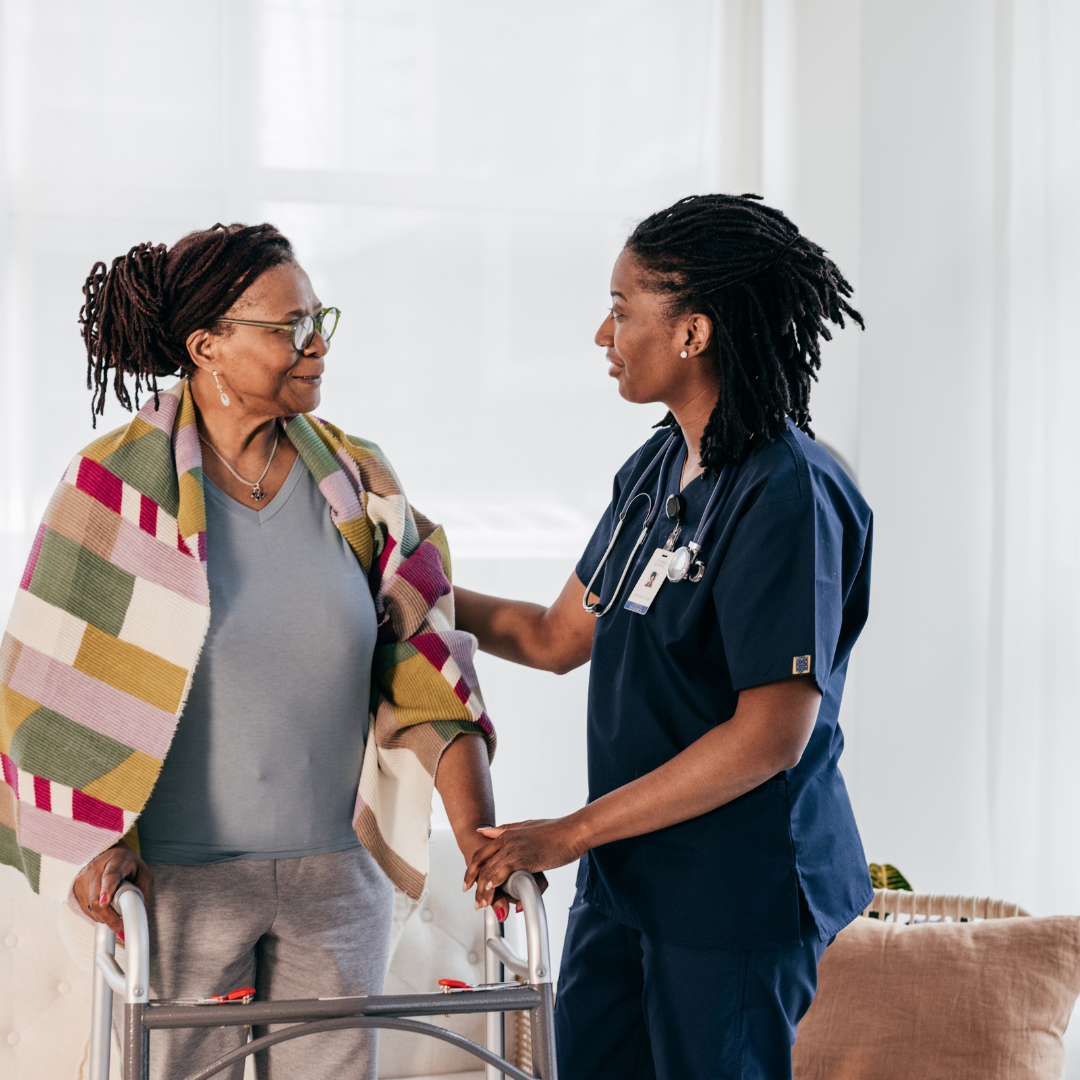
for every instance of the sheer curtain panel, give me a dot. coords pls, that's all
(1035, 646)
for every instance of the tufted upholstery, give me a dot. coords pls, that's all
(45, 994)
(442, 937)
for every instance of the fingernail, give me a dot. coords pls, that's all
(120, 934)
(476, 905)
(464, 886)
(518, 908)
(104, 899)
(489, 886)
(500, 914)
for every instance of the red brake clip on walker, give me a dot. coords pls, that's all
(245, 994)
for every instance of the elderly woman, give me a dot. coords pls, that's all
(231, 673)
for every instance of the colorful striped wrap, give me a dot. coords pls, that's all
(110, 618)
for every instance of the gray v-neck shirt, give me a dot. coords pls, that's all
(265, 763)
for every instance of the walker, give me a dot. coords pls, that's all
(142, 1015)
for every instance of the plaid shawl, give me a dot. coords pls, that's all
(111, 615)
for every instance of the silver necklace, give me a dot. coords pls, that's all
(257, 492)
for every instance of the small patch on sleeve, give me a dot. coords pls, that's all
(800, 665)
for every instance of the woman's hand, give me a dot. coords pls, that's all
(524, 845)
(99, 879)
(470, 848)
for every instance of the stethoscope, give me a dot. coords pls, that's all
(684, 563)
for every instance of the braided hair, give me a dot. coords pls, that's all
(769, 292)
(139, 313)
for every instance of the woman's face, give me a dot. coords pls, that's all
(259, 368)
(643, 342)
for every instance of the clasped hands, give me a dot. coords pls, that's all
(536, 846)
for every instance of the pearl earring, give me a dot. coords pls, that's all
(225, 397)
(684, 354)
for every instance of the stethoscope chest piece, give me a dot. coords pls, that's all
(684, 563)
(679, 563)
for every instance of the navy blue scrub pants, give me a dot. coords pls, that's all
(633, 1007)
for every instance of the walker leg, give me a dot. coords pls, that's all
(101, 1007)
(136, 1044)
(493, 973)
(542, 1020)
(129, 901)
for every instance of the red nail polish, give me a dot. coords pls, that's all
(500, 913)
(120, 934)
(103, 901)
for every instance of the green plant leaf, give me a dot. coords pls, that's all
(888, 877)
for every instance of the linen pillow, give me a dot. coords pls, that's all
(943, 1000)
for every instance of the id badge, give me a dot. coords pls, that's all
(649, 583)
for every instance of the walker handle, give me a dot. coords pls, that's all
(129, 901)
(522, 886)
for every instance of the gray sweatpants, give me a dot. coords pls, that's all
(316, 926)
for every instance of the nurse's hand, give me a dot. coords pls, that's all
(535, 846)
(502, 903)
(99, 879)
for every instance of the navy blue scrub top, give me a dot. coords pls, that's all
(786, 590)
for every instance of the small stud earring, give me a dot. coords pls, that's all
(684, 354)
(225, 397)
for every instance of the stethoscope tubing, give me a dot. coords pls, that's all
(595, 608)
(713, 509)
(662, 455)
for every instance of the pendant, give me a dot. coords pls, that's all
(257, 492)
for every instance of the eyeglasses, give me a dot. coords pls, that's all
(303, 330)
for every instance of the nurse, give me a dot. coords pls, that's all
(718, 600)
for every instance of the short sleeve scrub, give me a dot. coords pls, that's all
(698, 944)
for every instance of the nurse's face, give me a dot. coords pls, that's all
(644, 343)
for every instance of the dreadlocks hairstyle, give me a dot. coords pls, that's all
(138, 314)
(769, 292)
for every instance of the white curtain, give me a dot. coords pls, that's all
(1035, 654)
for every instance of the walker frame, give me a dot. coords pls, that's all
(141, 1014)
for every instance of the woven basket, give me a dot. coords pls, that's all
(897, 902)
